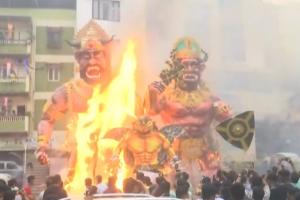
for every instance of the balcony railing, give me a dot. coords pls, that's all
(14, 85)
(14, 124)
(16, 43)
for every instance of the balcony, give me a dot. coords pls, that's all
(12, 86)
(19, 44)
(14, 124)
(15, 35)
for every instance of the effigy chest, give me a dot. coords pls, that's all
(78, 95)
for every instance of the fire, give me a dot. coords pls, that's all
(107, 109)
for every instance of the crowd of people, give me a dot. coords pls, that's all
(279, 183)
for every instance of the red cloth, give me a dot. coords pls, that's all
(27, 190)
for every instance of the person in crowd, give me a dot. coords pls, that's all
(153, 189)
(131, 185)
(12, 184)
(208, 191)
(48, 182)
(90, 189)
(291, 192)
(55, 190)
(279, 192)
(182, 189)
(101, 187)
(258, 193)
(295, 179)
(5, 192)
(237, 191)
(297, 196)
(147, 182)
(111, 185)
(28, 188)
(225, 190)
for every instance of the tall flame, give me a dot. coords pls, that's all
(107, 109)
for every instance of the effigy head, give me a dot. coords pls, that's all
(191, 57)
(143, 125)
(93, 58)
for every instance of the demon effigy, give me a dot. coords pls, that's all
(145, 148)
(93, 58)
(186, 108)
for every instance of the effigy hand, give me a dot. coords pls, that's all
(222, 108)
(157, 86)
(41, 156)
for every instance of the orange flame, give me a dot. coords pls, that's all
(107, 109)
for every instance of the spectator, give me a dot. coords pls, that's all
(291, 192)
(237, 191)
(101, 187)
(294, 179)
(90, 189)
(130, 185)
(297, 196)
(208, 192)
(182, 189)
(48, 183)
(163, 189)
(140, 176)
(153, 190)
(5, 191)
(258, 193)
(225, 192)
(28, 188)
(279, 192)
(111, 185)
(147, 182)
(55, 189)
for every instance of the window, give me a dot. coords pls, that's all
(54, 38)
(1, 165)
(106, 10)
(53, 73)
(11, 166)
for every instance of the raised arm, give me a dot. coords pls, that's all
(55, 108)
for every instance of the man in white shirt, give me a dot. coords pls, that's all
(101, 187)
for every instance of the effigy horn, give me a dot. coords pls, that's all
(106, 41)
(205, 58)
(74, 44)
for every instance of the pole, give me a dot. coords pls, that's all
(25, 161)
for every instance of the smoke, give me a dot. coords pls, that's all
(253, 51)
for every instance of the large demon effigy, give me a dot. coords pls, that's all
(186, 107)
(93, 59)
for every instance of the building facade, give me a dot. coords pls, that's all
(34, 60)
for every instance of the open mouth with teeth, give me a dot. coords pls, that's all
(93, 72)
(190, 77)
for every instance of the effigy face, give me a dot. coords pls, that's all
(143, 125)
(190, 76)
(94, 62)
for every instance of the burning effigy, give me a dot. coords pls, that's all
(98, 101)
(172, 124)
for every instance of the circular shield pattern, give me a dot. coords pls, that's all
(238, 129)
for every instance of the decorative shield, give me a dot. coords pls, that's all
(238, 131)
